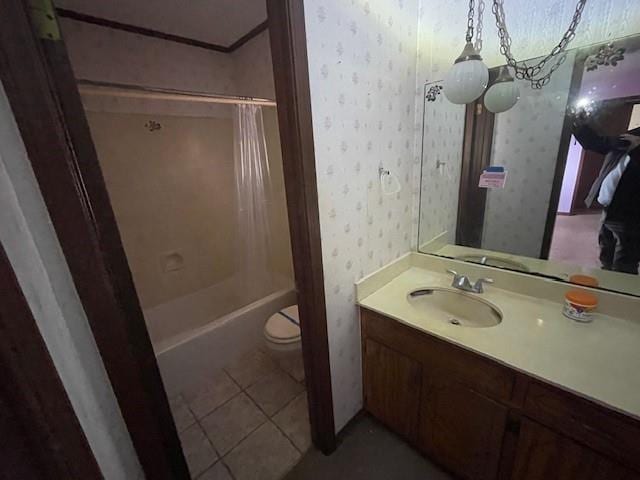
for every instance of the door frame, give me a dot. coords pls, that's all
(43, 437)
(476, 156)
(39, 82)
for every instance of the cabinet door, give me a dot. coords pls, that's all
(392, 388)
(461, 429)
(543, 454)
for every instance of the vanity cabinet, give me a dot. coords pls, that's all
(481, 420)
(463, 429)
(392, 388)
(543, 454)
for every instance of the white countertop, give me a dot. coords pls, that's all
(598, 360)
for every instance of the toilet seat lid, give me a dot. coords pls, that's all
(281, 326)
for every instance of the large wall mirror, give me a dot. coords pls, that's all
(569, 205)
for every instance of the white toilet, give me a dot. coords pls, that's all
(282, 332)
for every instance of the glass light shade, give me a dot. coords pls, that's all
(503, 94)
(467, 79)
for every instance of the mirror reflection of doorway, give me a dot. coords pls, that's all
(575, 234)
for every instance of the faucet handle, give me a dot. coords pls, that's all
(478, 285)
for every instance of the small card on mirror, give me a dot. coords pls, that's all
(494, 176)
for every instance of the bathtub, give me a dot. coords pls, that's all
(189, 358)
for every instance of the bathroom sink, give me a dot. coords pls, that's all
(455, 307)
(494, 262)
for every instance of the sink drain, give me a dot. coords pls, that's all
(454, 321)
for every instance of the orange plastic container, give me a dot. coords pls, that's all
(579, 305)
(585, 280)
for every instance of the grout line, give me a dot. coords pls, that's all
(269, 419)
(243, 439)
(228, 469)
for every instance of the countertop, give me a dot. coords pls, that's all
(599, 360)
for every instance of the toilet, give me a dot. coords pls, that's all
(282, 331)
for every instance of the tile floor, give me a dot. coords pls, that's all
(250, 421)
(575, 239)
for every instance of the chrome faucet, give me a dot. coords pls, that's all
(462, 282)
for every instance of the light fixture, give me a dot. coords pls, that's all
(468, 77)
(503, 93)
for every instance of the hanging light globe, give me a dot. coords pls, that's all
(468, 78)
(503, 93)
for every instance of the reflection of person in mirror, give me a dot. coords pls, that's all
(617, 189)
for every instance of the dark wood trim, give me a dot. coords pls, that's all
(148, 32)
(254, 32)
(41, 89)
(42, 437)
(476, 156)
(291, 74)
(563, 151)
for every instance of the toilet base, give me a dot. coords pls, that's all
(283, 350)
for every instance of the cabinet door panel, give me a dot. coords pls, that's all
(392, 388)
(461, 429)
(543, 454)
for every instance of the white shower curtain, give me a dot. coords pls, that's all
(252, 183)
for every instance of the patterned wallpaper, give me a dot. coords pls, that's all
(368, 63)
(526, 140)
(442, 138)
(362, 57)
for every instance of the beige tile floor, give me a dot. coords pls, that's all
(250, 421)
(575, 240)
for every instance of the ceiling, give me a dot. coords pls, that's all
(220, 22)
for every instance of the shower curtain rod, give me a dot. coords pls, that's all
(135, 91)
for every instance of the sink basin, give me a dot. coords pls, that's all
(455, 307)
(494, 262)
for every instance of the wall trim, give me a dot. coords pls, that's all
(148, 32)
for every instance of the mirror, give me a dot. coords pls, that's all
(548, 187)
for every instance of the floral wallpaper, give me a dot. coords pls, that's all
(368, 63)
(362, 57)
(441, 152)
(526, 140)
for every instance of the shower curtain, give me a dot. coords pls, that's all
(252, 184)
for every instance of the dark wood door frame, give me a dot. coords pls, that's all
(476, 156)
(41, 89)
(41, 435)
(291, 75)
(39, 83)
(632, 43)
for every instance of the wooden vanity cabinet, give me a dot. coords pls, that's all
(545, 454)
(481, 420)
(460, 428)
(392, 388)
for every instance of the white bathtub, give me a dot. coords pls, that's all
(188, 359)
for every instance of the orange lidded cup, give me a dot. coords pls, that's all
(579, 305)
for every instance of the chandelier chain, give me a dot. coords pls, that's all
(470, 18)
(479, 27)
(533, 73)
